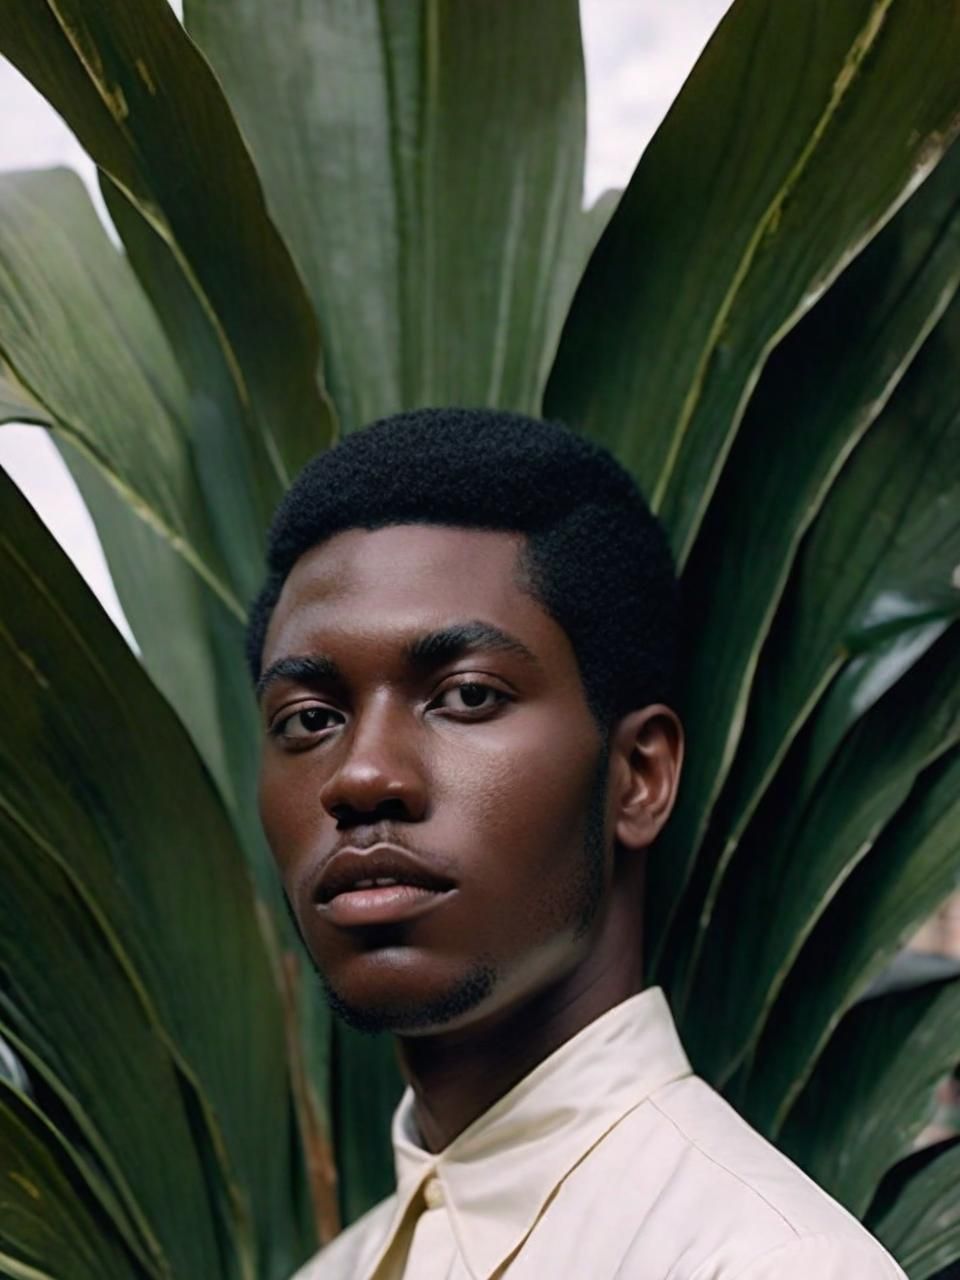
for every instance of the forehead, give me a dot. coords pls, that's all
(403, 580)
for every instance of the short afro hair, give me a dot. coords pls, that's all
(595, 557)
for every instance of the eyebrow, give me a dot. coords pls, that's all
(428, 650)
(461, 638)
(306, 670)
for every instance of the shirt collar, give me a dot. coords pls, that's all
(499, 1173)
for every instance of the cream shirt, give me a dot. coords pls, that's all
(610, 1159)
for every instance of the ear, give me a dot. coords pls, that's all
(646, 759)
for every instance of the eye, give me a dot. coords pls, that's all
(471, 698)
(305, 724)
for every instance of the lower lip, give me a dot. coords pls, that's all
(386, 904)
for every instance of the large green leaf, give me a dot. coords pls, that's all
(110, 368)
(198, 663)
(893, 524)
(127, 80)
(873, 1089)
(912, 868)
(919, 1221)
(82, 1143)
(16, 405)
(76, 1005)
(799, 132)
(92, 364)
(874, 583)
(101, 779)
(52, 1226)
(225, 468)
(425, 163)
(368, 1088)
(120, 405)
(820, 393)
(798, 854)
(309, 1038)
(153, 585)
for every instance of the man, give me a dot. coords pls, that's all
(463, 659)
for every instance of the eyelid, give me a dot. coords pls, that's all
(458, 679)
(289, 709)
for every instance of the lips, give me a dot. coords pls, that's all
(380, 885)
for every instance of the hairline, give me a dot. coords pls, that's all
(525, 578)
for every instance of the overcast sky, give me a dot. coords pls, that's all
(638, 53)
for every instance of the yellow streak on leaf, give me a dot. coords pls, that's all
(116, 102)
(21, 654)
(144, 73)
(29, 1188)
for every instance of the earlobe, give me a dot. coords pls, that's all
(648, 746)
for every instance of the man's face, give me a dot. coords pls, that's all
(426, 724)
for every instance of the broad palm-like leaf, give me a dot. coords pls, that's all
(919, 1216)
(872, 1092)
(54, 1221)
(767, 333)
(912, 868)
(117, 850)
(823, 391)
(440, 258)
(803, 854)
(113, 396)
(127, 80)
(752, 150)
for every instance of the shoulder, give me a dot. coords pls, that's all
(826, 1257)
(749, 1212)
(729, 1154)
(346, 1256)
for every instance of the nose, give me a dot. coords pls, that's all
(380, 775)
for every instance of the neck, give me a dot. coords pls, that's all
(456, 1076)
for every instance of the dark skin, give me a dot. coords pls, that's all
(441, 709)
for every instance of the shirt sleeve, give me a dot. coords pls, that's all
(825, 1257)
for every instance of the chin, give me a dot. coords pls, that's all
(406, 1013)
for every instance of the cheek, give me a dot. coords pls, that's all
(524, 792)
(290, 810)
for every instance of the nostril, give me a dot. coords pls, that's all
(342, 815)
(393, 808)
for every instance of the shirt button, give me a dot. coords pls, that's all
(433, 1193)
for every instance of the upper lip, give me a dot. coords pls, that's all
(349, 866)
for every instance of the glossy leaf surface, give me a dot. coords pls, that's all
(92, 364)
(821, 392)
(802, 847)
(425, 164)
(872, 1092)
(213, 412)
(127, 80)
(892, 525)
(912, 869)
(52, 1225)
(922, 1224)
(92, 379)
(741, 194)
(101, 779)
(368, 1090)
(104, 1033)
